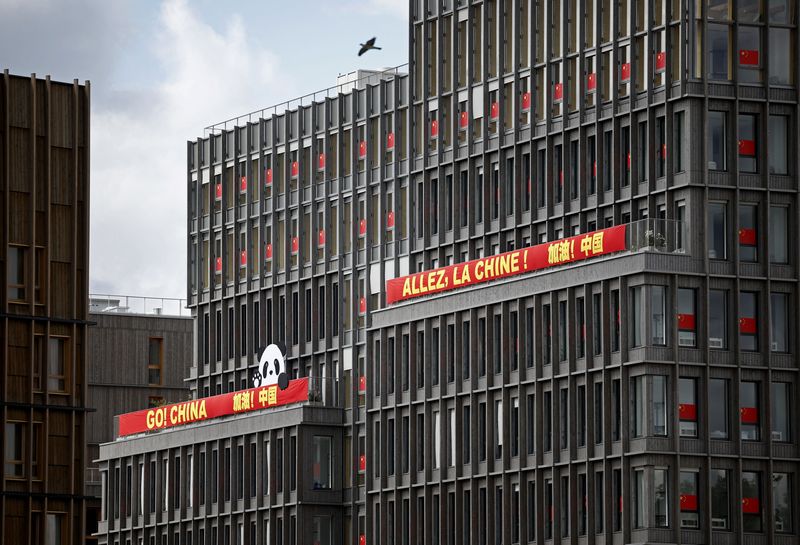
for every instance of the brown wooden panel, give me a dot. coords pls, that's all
(61, 233)
(20, 225)
(20, 155)
(62, 114)
(19, 102)
(62, 176)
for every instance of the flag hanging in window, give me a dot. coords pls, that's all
(661, 62)
(362, 149)
(218, 264)
(747, 326)
(243, 184)
(390, 141)
(748, 57)
(625, 72)
(747, 237)
(526, 101)
(463, 120)
(321, 161)
(434, 128)
(268, 176)
(390, 220)
(494, 111)
(268, 251)
(558, 92)
(295, 169)
(295, 245)
(362, 228)
(321, 238)
(747, 148)
(591, 82)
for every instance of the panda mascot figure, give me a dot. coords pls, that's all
(272, 367)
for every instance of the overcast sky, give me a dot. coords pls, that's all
(161, 71)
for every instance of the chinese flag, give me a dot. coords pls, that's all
(628, 161)
(591, 82)
(362, 383)
(747, 237)
(269, 251)
(362, 149)
(390, 141)
(321, 161)
(661, 62)
(362, 462)
(688, 502)
(748, 57)
(747, 148)
(687, 412)
(269, 176)
(434, 128)
(751, 506)
(362, 227)
(362, 305)
(494, 111)
(321, 238)
(558, 92)
(243, 183)
(362, 539)
(463, 120)
(390, 220)
(218, 264)
(625, 72)
(295, 168)
(218, 191)
(663, 151)
(686, 322)
(243, 258)
(747, 326)
(749, 415)
(526, 101)
(560, 177)
(594, 168)
(295, 245)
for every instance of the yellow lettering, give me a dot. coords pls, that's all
(151, 419)
(479, 271)
(202, 413)
(440, 284)
(515, 262)
(490, 267)
(407, 287)
(465, 275)
(173, 414)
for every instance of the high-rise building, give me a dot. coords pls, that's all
(44, 250)
(549, 275)
(140, 351)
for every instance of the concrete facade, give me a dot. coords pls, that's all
(647, 396)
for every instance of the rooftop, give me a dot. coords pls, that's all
(137, 305)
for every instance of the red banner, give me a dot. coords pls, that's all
(178, 414)
(751, 506)
(533, 258)
(686, 322)
(687, 412)
(749, 415)
(688, 502)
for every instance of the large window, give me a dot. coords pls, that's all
(781, 48)
(717, 230)
(778, 234)
(57, 364)
(687, 327)
(660, 498)
(779, 322)
(322, 472)
(748, 320)
(16, 273)
(720, 499)
(781, 411)
(778, 139)
(687, 406)
(689, 485)
(639, 497)
(155, 360)
(782, 502)
(749, 411)
(747, 143)
(718, 427)
(751, 501)
(717, 319)
(15, 450)
(719, 37)
(748, 235)
(649, 403)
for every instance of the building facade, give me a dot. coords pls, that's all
(44, 249)
(140, 351)
(647, 395)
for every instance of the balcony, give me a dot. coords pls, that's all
(133, 304)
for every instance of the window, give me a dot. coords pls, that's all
(54, 531)
(580, 312)
(637, 311)
(437, 442)
(718, 51)
(778, 234)
(779, 322)
(717, 140)
(748, 234)
(322, 472)
(748, 411)
(748, 321)
(451, 443)
(599, 501)
(57, 364)
(781, 411)
(778, 141)
(782, 502)
(597, 324)
(615, 318)
(688, 504)
(498, 429)
(15, 451)
(16, 273)
(563, 420)
(717, 230)
(649, 398)
(718, 410)
(466, 423)
(748, 138)
(547, 421)
(658, 313)
(660, 498)
(687, 329)
(616, 408)
(155, 360)
(598, 413)
(581, 416)
(781, 59)
(717, 319)
(639, 498)
(751, 501)
(720, 501)
(548, 334)
(687, 406)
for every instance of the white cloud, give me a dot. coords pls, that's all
(138, 231)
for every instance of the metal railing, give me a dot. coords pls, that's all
(324, 391)
(134, 304)
(375, 76)
(657, 235)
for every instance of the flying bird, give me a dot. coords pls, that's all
(367, 46)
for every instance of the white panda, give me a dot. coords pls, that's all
(272, 367)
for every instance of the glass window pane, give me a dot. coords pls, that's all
(751, 501)
(780, 56)
(778, 234)
(779, 322)
(748, 143)
(749, 55)
(658, 312)
(718, 52)
(781, 406)
(717, 227)
(718, 411)
(660, 500)
(659, 409)
(749, 411)
(782, 502)
(720, 501)
(717, 319)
